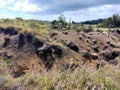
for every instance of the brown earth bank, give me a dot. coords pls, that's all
(60, 50)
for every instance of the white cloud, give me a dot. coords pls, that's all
(25, 7)
(10, 1)
(4, 3)
(93, 12)
(79, 10)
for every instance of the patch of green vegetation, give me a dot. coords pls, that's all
(30, 26)
(111, 22)
(8, 61)
(80, 79)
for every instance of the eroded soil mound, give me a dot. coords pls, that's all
(25, 52)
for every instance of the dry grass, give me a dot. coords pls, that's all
(83, 78)
(30, 26)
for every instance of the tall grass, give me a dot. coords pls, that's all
(30, 26)
(82, 78)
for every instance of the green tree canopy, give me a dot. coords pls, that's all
(60, 23)
(113, 21)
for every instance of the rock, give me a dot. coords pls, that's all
(80, 37)
(56, 51)
(94, 42)
(94, 56)
(48, 53)
(65, 33)
(1, 30)
(37, 43)
(21, 41)
(98, 66)
(10, 31)
(95, 48)
(45, 52)
(87, 41)
(118, 31)
(111, 55)
(86, 55)
(108, 42)
(30, 38)
(73, 47)
(6, 42)
(105, 47)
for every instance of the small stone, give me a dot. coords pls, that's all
(96, 48)
(94, 42)
(73, 47)
(118, 31)
(94, 56)
(105, 47)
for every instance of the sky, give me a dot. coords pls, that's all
(77, 10)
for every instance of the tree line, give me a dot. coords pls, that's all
(111, 22)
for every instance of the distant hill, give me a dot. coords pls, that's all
(93, 21)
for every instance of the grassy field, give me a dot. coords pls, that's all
(30, 26)
(83, 78)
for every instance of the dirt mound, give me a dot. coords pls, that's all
(30, 53)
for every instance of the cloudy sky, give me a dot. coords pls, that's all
(77, 10)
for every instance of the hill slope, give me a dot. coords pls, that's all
(57, 57)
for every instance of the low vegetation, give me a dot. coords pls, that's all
(83, 78)
(30, 26)
(111, 22)
(59, 55)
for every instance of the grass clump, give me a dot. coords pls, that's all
(30, 26)
(83, 78)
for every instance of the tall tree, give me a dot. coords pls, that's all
(116, 20)
(62, 22)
